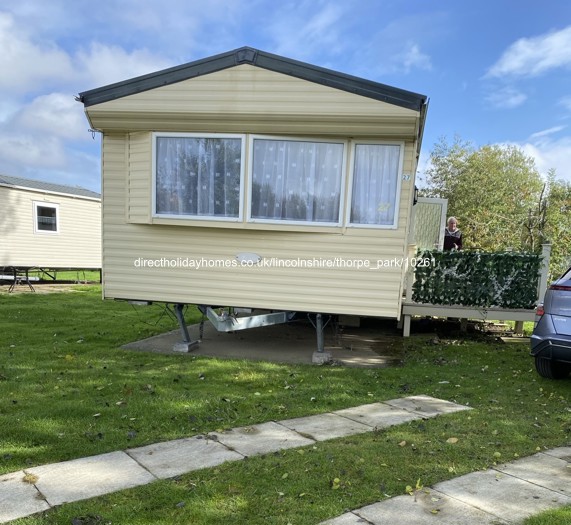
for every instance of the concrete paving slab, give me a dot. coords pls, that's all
(509, 498)
(172, 458)
(560, 452)
(346, 519)
(261, 439)
(89, 477)
(378, 415)
(18, 498)
(429, 506)
(325, 426)
(542, 469)
(426, 406)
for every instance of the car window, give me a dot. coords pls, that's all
(566, 277)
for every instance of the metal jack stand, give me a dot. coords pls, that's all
(187, 344)
(320, 357)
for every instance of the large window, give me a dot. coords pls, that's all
(290, 180)
(198, 176)
(46, 217)
(296, 181)
(376, 185)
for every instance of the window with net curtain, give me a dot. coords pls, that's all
(198, 176)
(375, 184)
(296, 181)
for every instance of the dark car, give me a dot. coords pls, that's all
(551, 338)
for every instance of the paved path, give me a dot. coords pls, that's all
(504, 495)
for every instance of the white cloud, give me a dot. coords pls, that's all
(307, 29)
(412, 58)
(530, 57)
(397, 46)
(25, 149)
(101, 64)
(43, 65)
(394, 58)
(9, 106)
(41, 124)
(565, 102)
(55, 114)
(506, 98)
(550, 154)
(546, 132)
(26, 64)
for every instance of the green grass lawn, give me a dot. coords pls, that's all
(67, 390)
(560, 516)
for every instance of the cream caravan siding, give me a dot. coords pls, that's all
(138, 198)
(249, 99)
(77, 244)
(128, 247)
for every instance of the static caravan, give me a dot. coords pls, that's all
(251, 180)
(48, 226)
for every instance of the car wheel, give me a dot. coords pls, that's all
(551, 369)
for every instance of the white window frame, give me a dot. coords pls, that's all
(42, 204)
(254, 220)
(156, 215)
(351, 175)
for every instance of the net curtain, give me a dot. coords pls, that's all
(296, 181)
(375, 182)
(198, 176)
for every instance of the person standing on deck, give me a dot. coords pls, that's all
(452, 235)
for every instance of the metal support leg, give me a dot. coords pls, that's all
(187, 343)
(178, 312)
(320, 356)
(319, 328)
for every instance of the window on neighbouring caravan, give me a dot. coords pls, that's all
(198, 176)
(375, 188)
(46, 217)
(296, 181)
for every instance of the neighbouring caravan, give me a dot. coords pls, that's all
(48, 226)
(251, 180)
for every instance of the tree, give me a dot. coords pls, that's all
(500, 199)
(557, 229)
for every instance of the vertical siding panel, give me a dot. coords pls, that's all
(114, 162)
(139, 194)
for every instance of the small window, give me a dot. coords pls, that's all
(376, 184)
(46, 217)
(296, 181)
(198, 176)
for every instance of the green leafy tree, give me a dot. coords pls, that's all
(557, 228)
(500, 199)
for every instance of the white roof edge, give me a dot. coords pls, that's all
(39, 190)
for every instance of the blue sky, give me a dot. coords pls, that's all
(496, 72)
